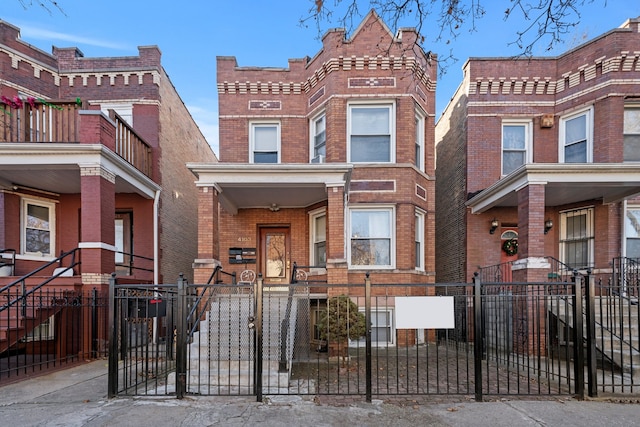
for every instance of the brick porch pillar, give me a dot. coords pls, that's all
(531, 267)
(97, 233)
(336, 256)
(208, 235)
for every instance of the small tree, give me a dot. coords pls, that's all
(341, 321)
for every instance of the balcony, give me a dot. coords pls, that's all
(63, 122)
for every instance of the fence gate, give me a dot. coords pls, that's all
(509, 339)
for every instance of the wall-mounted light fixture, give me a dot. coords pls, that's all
(494, 225)
(274, 207)
(548, 225)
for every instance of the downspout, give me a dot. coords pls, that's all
(156, 250)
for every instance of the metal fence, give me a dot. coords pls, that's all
(48, 329)
(507, 339)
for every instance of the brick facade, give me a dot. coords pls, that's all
(593, 82)
(101, 182)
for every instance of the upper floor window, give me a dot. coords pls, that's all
(631, 151)
(516, 145)
(264, 141)
(371, 235)
(632, 232)
(371, 133)
(38, 227)
(318, 227)
(576, 137)
(318, 139)
(419, 141)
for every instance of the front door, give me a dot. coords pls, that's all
(275, 264)
(508, 251)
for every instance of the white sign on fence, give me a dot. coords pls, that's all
(424, 312)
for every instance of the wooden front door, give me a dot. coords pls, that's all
(275, 255)
(507, 234)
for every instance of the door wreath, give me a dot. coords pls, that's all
(510, 246)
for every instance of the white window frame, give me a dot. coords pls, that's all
(313, 216)
(588, 112)
(25, 202)
(374, 325)
(629, 229)
(528, 143)
(419, 151)
(392, 238)
(263, 123)
(589, 237)
(391, 106)
(124, 110)
(313, 127)
(419, 240)
(626, 131)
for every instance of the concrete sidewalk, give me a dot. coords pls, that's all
(77, 397)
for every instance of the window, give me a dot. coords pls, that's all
(576, 138)
(632, 232)
(123, 243)
(371, 136)
(318, 227)
(576, 238)
(265, 143)
(319, 139)
(38, 222)
(631, 151)
(419, 148)
(515, 145)
(419, 240)
(371, 232)
(382, 329)
(125, 111)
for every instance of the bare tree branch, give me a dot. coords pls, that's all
(545, 21)
(47, 5)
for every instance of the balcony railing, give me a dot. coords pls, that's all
(58, 122)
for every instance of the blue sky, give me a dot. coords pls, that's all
(192, 33)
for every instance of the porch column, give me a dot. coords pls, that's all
(97, 233)
(336, 256)
(208, 235)
(531, 265)
(533, 268)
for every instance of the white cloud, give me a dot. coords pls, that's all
(41, 34)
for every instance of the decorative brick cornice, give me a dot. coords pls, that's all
(624, 62)
(351, 64)
(39, 68)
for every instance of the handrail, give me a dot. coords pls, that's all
(21, 281)
(130, 264)
(213, 290)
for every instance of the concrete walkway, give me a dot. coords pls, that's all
(77, 397)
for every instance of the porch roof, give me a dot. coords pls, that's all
(564, 183)
(282, 185)
(56, 168)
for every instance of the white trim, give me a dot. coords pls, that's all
(391, 209)
(420, 136)
(97, 245)
(589, 211)
(420, 216)
(378, 103)
(588, 113)
(51, 206)
(312, 135)
(253, 124)
(313, 215)
(528, 142)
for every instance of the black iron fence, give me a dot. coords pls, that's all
(48, 328)
(572, 337)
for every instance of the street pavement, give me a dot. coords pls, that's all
(77, 397)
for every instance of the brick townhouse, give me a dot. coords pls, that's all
(93, 155)
(327, 164)
(538, 163)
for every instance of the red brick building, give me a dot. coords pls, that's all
(539, 158)
(327, 163)
(93, 155)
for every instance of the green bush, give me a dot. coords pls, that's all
(341, 320)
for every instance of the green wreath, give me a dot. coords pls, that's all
(510, 246)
